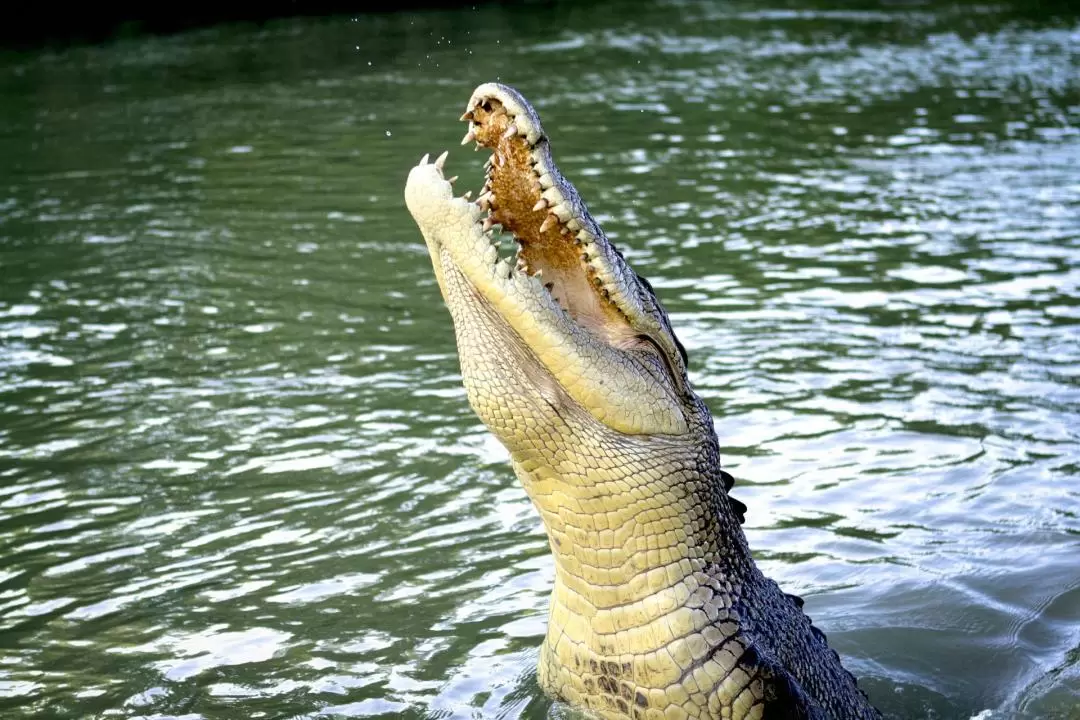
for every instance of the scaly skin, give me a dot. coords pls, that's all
(658, 610)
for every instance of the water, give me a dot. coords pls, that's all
(238, 475)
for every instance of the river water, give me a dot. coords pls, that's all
(238, 474)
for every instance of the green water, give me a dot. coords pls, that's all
(238, 474)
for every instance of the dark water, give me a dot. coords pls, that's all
(238, 475)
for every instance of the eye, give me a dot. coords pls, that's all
(682, 352)
(664, 356)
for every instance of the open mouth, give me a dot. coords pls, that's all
(553, 238)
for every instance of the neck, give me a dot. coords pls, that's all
(644, 557)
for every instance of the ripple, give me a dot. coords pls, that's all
(196, 653)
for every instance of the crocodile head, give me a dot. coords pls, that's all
(566, 316)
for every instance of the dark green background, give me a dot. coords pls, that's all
(238, 475)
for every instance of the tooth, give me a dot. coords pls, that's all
(584, 237)
(424, 160)
(441, 160)
(553, 196)
(546, 181)
(540, 205)
(562, 211)
(510, 132)
(489, 223)
(485, 200)
(469, 137)
(452, 180)
(467, 115)
(503, 268)
(491, 255)
(548, 222)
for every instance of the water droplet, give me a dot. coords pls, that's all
(387, 133)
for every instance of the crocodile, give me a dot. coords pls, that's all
(569, 358)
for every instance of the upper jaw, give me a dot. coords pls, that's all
(565, 210)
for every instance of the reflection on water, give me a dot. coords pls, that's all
(239, 476)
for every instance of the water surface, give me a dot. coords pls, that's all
(238, 474)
